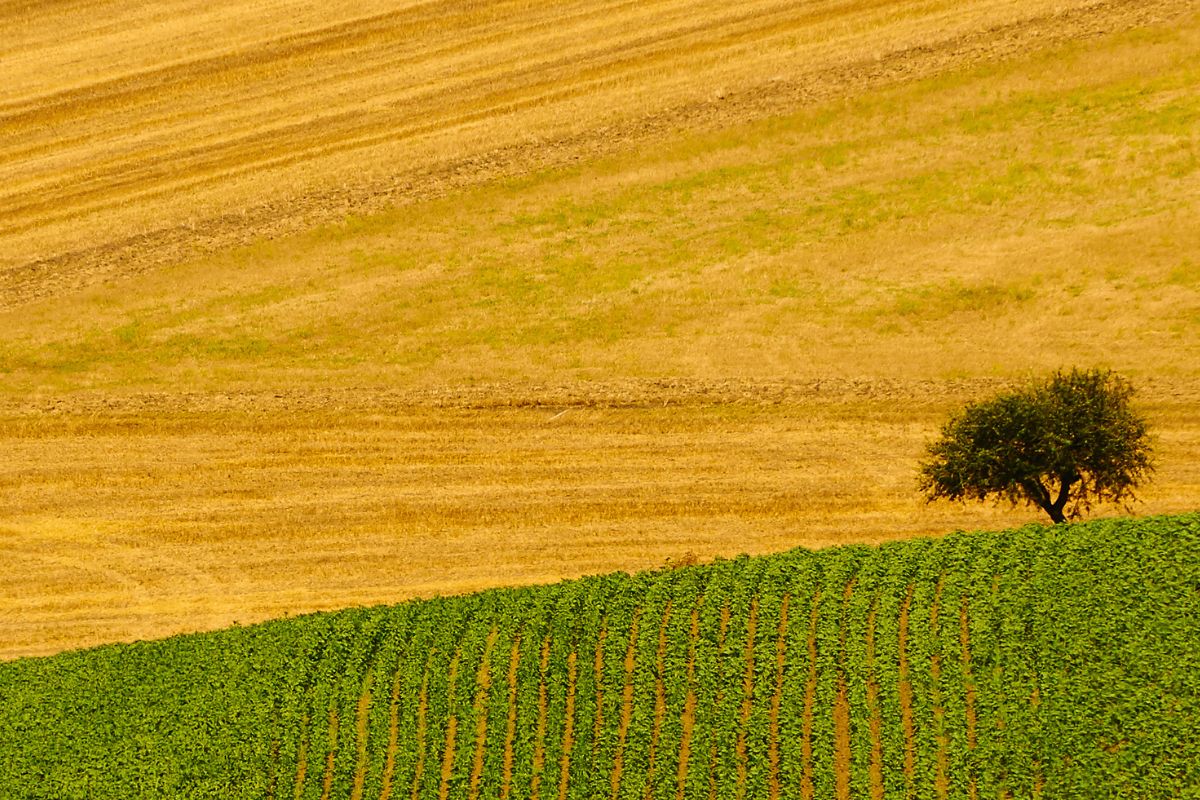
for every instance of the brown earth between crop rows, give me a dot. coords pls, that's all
(575, 369)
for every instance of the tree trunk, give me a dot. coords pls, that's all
(1060, 503)
(1041, 496)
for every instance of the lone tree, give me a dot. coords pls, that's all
(1061, 444)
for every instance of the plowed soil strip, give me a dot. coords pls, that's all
(568, 742)
(510, 731)
(874, 713)
(687, 719)
(598, 672)
(747, 699)
(483, 684)
(841, 708)
(964, 636)
(906, 701)
(941, 778)
(422, 713)
(660, 699)
(539, 744)
(301, 760)
(810, 700)
(361, 731)
(626, 707)
(389, 761)
(720, 702)
(451, 731)
(773, 786)
(331, 755)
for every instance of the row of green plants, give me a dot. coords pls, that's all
(1052, 662)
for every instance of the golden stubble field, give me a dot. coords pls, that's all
(129, 524)
(623, 284)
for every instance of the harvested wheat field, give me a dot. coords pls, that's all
(306, 305)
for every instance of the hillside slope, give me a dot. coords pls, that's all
(1053, 662)
(135, 135)
(699, 280)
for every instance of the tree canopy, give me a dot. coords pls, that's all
(1061, 444)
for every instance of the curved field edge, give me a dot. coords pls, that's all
(1054, 661)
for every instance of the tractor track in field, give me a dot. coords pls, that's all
(124, 249)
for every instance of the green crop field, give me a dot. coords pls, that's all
(1054, 662)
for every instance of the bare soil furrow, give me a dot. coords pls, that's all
(448, 747)
(964, 635)
(874, 711)
(687, 718)
(598, 677)
(660, 699)
(941, 779)
(422, 727)
(568, 740)
(713, 753)
(747, 703)
(906, 701)
(841, 706)
(483, 686)
(362, 751)
(539, 737)
(510, 728)
(301, 760)
(393, 742)
(629, 664)
(810, 701)
(774, 787)
(330, 755)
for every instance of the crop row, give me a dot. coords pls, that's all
(1056, 662)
